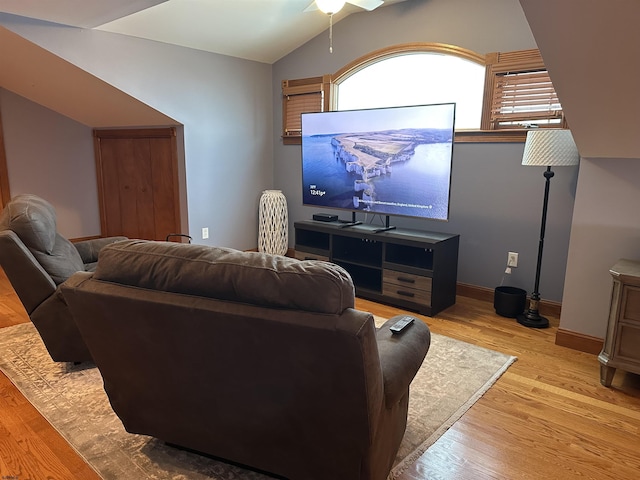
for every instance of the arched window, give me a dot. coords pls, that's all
(498, 96)
(412, 75)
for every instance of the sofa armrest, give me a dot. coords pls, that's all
(89, 249)
(401, 356)
(29, 280)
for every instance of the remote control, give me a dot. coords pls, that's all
(401, 324)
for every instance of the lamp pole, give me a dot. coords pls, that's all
(532, 318)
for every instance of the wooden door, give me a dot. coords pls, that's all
(138, 182)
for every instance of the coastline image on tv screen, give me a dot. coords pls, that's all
(388, 161)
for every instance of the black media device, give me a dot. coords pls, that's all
(325, 217)
(401, 324)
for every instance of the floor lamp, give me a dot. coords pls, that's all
(545, 147)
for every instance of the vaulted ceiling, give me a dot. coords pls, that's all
(44, 78)
(260, 30)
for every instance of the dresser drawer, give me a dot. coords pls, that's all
(631, 304)
(628, 341)
(406, 286)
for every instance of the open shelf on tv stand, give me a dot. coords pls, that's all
(411, 269)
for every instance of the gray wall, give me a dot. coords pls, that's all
(496, 203)
(52, 156)
(224, 103)
(606, 227)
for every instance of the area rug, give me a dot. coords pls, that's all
(453, 376)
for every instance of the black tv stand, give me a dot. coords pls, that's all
(410, 269)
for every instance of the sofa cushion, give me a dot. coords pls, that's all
(228, 274)
(63, 260)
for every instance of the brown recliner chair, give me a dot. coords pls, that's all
(37, 259)
(255, 358)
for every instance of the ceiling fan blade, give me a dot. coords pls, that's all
(311, 7)
(366, 4)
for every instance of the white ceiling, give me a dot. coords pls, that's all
(85, 98)
(260, 30)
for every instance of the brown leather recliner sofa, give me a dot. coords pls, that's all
(36, 260)
(254, 358)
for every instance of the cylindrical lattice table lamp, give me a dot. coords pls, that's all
(273, 225)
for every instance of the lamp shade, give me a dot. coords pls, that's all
(550, 147)
(330, 6)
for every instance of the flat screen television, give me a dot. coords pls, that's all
(388, 161)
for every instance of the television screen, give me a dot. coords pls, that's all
(389, 161)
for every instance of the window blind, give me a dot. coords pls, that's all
(519, 92)
(298, 104)
(302, 96)
(524, 98)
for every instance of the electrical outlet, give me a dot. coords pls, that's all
(512, 259)
(205, 233)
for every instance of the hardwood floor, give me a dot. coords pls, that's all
(30, 448)
(547, 417)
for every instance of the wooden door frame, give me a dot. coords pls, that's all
(5, 193)
(168, 132)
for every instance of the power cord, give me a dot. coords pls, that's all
(507, 271)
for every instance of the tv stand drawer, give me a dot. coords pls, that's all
(406, 286)
(406, 280)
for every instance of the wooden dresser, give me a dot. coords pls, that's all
(622, 343)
